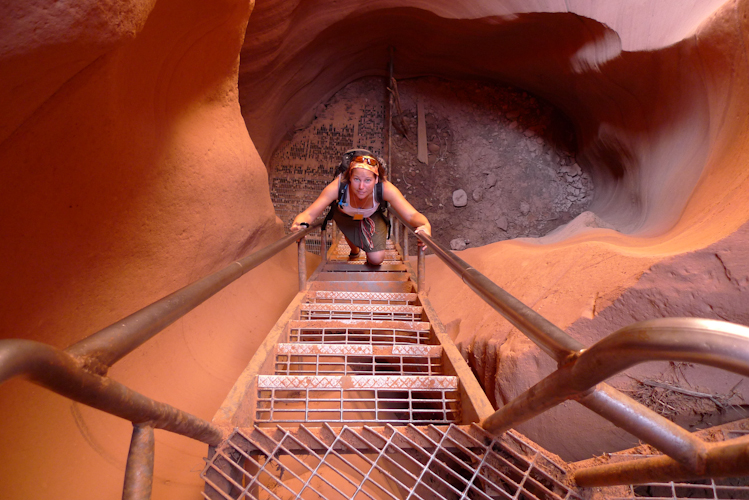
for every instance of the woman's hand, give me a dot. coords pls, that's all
(407, 211)
(298, 225)
(315, 210)
(423, 229)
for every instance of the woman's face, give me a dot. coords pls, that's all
(362, 183)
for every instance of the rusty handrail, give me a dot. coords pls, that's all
(79, 372)
(63, 374)
(615, 352)
(604, 400)
(708, 342)
(549, 337)
(139, 468)
(105, 347)
(721, 459)
(694, 340)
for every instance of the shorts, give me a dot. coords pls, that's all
(353, 230)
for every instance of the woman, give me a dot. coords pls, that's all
(357, 214)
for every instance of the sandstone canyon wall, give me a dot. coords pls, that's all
(126, 172)
(657, 92)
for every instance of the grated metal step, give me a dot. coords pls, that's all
(334, 359)
(363, 262)
(340, 463)
(357, 399)
(341, 253)
(362, 276)
(321, 297)
(360, 332)
(364, 286)
(361, 266)
(368, 312)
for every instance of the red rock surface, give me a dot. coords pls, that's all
(126, 172)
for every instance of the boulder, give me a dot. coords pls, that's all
(460, 198)
(458, 244)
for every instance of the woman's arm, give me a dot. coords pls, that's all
(393, 196)
(314, 211)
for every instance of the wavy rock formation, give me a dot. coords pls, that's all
(657, 94)
(127, 172)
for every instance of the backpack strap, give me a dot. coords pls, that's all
(342, 187)
(383, 205)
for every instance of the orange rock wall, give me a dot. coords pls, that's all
(684, 161)
(126, 172)
(642, 117)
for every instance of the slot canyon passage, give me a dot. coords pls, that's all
(134, 148)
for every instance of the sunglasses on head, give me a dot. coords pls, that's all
(366, 159)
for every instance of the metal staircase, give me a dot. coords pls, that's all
(358, 393)
(357, 357)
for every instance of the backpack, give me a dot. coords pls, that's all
(343, 186)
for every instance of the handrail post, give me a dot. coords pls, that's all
(139, 469)
(404, 246)
(421, 277)
(324, 244)
(302, 253)
(395, 227)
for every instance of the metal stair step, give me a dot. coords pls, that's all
(359, 332)
(357, 359)
(376, 312)
(357, 398)
(430, 351)
(321, 297)
(392, 382)
(342, 254)
(342, 250)
(362, 276)
(363, 262)
(363, 286)
(363, 266)
(435, 462)
(342, 246)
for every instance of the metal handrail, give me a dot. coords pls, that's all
(79, 372)
(693, 340)
(604, 400)
(715, 343)
(552, 339)
(63, 374)
(105, 347)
